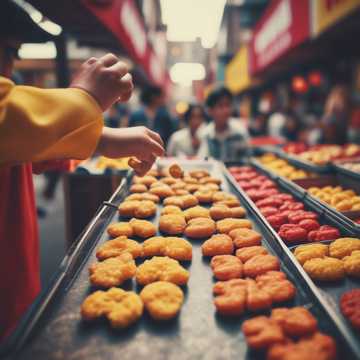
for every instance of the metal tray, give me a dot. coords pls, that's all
(197, 333)
(328, 293)
(339, 168)
(306, 165)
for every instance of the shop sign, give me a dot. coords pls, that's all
(284, 25)
(237, 77)
(326, 13)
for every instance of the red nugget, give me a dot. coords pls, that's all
(350, 306)
(309, 224)
(246, 176)
(276, 220)
(256, 195)
(291, 205)
(268, 210)
(325, 232)
(245, 185)
(284, 197)
(296, 216)
(292, 233)
(270, 201)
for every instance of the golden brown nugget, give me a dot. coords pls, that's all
(219, 244)
(143, 196)
(204, 196)
(243, 237)
(146, 209)
(161, 268)
(277, 286)
(174, 247)
(171, 209)
(231, 203)
(199, 228)
(262, 332)
(261, 264)
(138, 166)
(209, 186)
(118, 246)
(325, 269)
(162, 191)
(352, 264)
(192, 188)
(147, 180)
(222, 195)
(176, 171)
(122, 308)
(210, 180)
(317, 346)
(226, 267)
(304, 253)
(190, 180)
(127, 208)
(173, 201)
(230, 296)
(237, 212)
(189, 201)
(218, 212)
(138, 188)
(296, 321)
(257, 298)
(172, 224)
(181, 192)
(163, 300)
(343, 247)
(168, 180)
(196, 212)
(113, 271)
(198, 174)
(179, 185)
(142, 228)
(246, 253)
(226, 225)
(120, 229)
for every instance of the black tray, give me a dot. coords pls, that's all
(339, 168)
(197, 333)
(328, 293)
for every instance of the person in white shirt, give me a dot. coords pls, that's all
(185, 142)
(225, 138)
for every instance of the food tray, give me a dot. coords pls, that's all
(328, 293)
(306, 165)
(198, 333)
(339, 168)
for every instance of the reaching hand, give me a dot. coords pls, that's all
(107, 79)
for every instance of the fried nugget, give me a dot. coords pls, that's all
(176, 171)
(161, 268)
(304, 253)
(296, 321)
(120, 229)
(352, 264)
(171, 209)
(350, 306)
(168, 180)
(142, 228)
(218, 212)
(147, 180)
(243, 237)
(174, 247)
(226, 225)
(343, 247)
(204, 196)
(189, 201)
(325, 269)
(146, 209)
(162, 300)
(143, 196)
(237, 212)
(118, 246)
(199, 228)
(231, 296)
(262, 332)
(127, 208)
(120, 307)
(113, 271)
(317, 346)
(198, 174)
(138, 188)
(246, 253)
(219, 244)
(256, 297)
(162, 191)
(196, 212)
(173, 201)
(261, 264)
(172, 224)
(226, 267)
(179, 185)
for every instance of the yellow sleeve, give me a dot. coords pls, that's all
(42, 124)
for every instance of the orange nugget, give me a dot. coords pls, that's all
(120, 229)
(219, 244)
(218, 212)
(176, 171)
(260, 264)
(199, 228)
(172, 224)
(246, 253)
(226, 225)
(226, 267)
(117, 247)
(245, 237)
(257, 298)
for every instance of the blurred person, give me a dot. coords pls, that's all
(186, 142)
(225, 138)
(258, 125)
(153, 114)
(334, 123)
(276, 123)
(38, 125)
(292, 127)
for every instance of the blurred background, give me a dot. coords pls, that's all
(287, 63)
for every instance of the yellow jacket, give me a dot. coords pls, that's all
(42, 124)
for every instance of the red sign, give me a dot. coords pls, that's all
(284, 25)
(122, 18)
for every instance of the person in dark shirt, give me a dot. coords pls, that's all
(153, 114)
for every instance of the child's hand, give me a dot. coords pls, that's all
(107, 79)
(139, 141)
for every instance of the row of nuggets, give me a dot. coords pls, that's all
(161, 274)
(330, 262)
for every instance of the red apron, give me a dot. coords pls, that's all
(19, 244)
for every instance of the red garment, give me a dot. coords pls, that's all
(19, 265)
